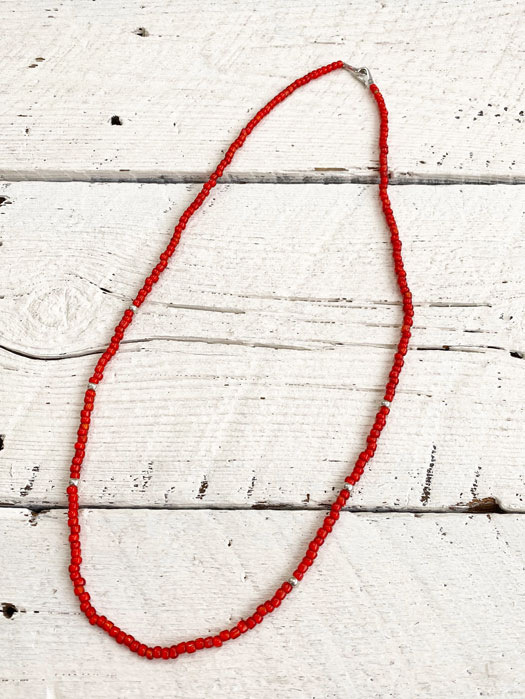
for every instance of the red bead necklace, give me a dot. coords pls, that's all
(79, 584)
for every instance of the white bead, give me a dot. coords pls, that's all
(73, 481)
(133, 308)
(348, 486)
(293, 581)
(92, 386)
(386, 403)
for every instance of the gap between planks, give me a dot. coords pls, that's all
(517, 354)
(484, 506)
(318, 176)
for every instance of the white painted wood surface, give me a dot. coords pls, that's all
(399, 605)
(250, 377)
(252, 374)
(450, 74)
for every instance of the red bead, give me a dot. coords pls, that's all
(165, 653)
(235, 633)
(190, 647)
(181, 647)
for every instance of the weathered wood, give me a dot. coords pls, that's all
(274, 264)
(179, 80)
(397, 605)
(252, 374)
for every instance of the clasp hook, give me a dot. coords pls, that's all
(362, 74)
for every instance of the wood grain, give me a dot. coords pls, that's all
(249, 379)
(251, 376)
(179, 80)
(441, 597)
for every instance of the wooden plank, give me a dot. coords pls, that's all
(255, 255)
(252, 375)
(185, 424)
(428, 591)
(181, 80)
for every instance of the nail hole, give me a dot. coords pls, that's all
(489, 504)
(141, 31)
(2, 438)
(9, 610)
(116, 121)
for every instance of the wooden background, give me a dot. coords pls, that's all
(247, 384)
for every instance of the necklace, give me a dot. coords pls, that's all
(281, 593)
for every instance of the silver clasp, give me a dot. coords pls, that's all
(362, 74)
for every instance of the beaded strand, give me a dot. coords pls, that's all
(280, 594)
